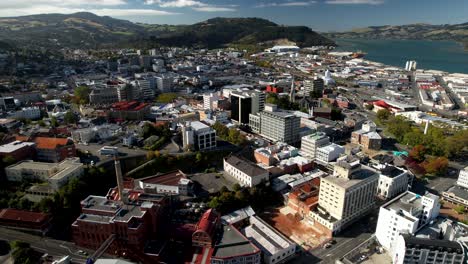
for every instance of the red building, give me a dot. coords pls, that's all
(129, 110)
(18, 150)
(25, 220)
(272, 89)
(54, 149)
(303, 198)
(205, 229)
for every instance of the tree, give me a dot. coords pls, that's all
(456, 144)
(418, 153)
(221, 130)
(8, 160)
(398, 126)
(369, 107)
(54, 122)
(460, 209)
(22, 252)
(272, 98)
(82, 95)
(166, 98)
(436, 166)
(383, 115)
(70, 118)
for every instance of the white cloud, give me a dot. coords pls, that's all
(355, 2)
(214, 9)
(115, 12)
(63, 3)
(194, 4)
(286, 4)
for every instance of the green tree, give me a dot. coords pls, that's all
(272, 98)
(369, 107)
(70, 118)
(166, 98)
(460, 209)
(398, 126)
(221, 130)
(54, 122)
(82, 94)
(8, 160)
(22, 253)
(383, 115)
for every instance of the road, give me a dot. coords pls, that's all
(94, 148)
(349, 239)
(55, 248)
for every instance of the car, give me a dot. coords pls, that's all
(82, 252)
(333, 242)
(327, 245)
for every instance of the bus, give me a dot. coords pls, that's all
(109, 151)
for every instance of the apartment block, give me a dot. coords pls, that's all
(56, 174)
(310, 143)
(245, 172)
(345, 196)
(276, 125)
(392, 181)
(199, 136)
(405, 214)
(463, 178)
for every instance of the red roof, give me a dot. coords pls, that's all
(208, 221)
(50, 143)
(22, 216)
(171, 178)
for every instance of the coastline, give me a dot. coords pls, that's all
(441, 55)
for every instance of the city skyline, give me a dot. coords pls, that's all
(320, 15)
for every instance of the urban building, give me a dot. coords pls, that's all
(129, 110)
(18, 150)
(304, 196)
(7, 103)
(56, 174)
(276, 248)
(164, 83)
(463, 178)
(171, 183)
(411, 249)
(329, 152)
(392, 181)
(345, 196)
(367, 136)
(199, 136)
(244, 103)
(410, 65)
(54, 149)
(25, 220)
(316, 86)
(276, 125)
(456, 195)
(310, 143)
(210, 101)
(245, 172)
(31, 113)
(273, 154)
(405, 214)
(103, 95)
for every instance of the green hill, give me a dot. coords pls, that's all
(457, 32)
(86, 30)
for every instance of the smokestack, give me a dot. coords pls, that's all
(118, 175)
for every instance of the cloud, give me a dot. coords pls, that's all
(114, 12)
(355, 2)
(63, 3)
(286, 4)
(194, 4)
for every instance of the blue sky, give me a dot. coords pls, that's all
(321, 15)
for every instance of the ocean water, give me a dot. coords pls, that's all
(447, 56)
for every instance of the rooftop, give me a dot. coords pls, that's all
(233, 243)
(355, 178)
(391, 171)
(51, 143)
(171, 178)
(14, 146)
(22, 216)
(433, 244)
(459, 192)
(245, 166)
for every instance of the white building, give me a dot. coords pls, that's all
(410, 65)
(164, 83)
(392, 181)
(56, 174)
(463, 178)
(310, 143)
(276, 248)
(209, 100)
(172, 183)
(198, 135)
(245, 172)
(27, 113)
(405, 214)
(411, 249)
(329, 152)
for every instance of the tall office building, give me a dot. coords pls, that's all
(244, 103)
(345, 196)
(310, 143)
(410, 65)
(276, 125)
(405, 214)
(164, 83)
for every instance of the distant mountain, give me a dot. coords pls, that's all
(88, 30)
(458, 32)
(217, 32)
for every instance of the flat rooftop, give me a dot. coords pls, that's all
(54, 170)
(14, 146)
(356, 177)
(100, 203)
(391, 171)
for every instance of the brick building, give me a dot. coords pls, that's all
(18, 150)
(25, 220)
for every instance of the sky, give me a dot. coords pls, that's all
(320, 15)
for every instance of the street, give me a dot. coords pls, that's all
(55, 248)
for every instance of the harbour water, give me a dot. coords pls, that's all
(447, 56)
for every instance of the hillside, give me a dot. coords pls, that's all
(458, 32)
(91, 31)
